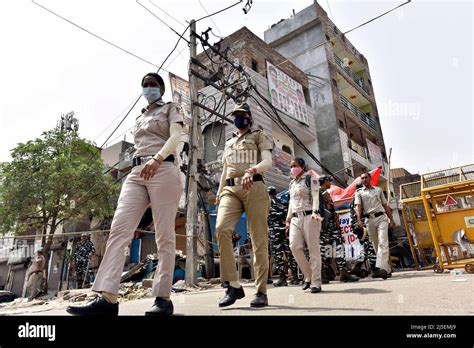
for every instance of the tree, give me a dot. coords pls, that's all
(50, 180)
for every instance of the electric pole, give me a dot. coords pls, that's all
(192, 197)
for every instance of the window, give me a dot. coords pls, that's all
(370, 82)
(254, 65)
(287, 149)
(341, 124)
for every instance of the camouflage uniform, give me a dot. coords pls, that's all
(332, 245)
(279, 243)
(81, 260)
(369, 251)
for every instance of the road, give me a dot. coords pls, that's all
(406, 293)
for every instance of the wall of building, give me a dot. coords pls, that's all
(292, 38)
(306, 133)
(111, 154)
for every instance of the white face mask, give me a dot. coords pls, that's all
(151, 94)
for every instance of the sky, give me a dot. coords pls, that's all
(420, 60)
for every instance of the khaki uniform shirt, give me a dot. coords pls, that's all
(152, 128)
(38, 264)
(244, 151)
(303, 197)
(372, 199)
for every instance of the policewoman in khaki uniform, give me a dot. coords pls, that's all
(371, 200)
(246, 156)
(304, 222)
(155, 180)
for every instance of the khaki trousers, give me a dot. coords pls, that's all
(233, 201)
(34, 284)
(378, 235)
(305, 230)
(163, 192)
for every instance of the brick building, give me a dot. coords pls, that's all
(253, 54)
(341, 91)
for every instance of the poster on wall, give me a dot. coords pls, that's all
(286, 94)
(375, 153)
(281, 161)
(352, 244)
(181, 95)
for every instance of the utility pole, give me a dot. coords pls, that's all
(192, 197)
(389, 194)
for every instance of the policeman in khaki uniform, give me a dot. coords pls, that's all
(304, 224)
(372, 201)
(242, 189)
(154, 180)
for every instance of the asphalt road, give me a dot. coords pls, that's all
(406, 293)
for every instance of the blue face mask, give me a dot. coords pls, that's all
(241, 122)
(151, 94)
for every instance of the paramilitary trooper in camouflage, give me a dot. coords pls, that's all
(279, 243)
(84, 249)
(331, 239)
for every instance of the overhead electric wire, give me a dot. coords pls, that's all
(283, 126)
(217, 12)
(162, 21)
(338, 35)
(167, 13)
(330, 12)
(161, 68)
(94, 35)
(205, 10)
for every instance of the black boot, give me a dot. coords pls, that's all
(260, 300)
(306, 285)
(97, 306)
(325, 276)
(357, 269)
(281, 282)
(231, 295)
(161, 308)
(380, 273)
(295, 281)
(345, 276)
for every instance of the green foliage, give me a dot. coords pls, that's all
(52, 179)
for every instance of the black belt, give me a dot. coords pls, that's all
(237, 181)
(304, 213)
(368, 216)
(143, 159)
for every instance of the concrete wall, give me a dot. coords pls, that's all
(291, 38)
(111, 154)
(3, 274)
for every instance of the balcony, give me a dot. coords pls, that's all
(359, 149)
(359, 80)
(356, 111)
